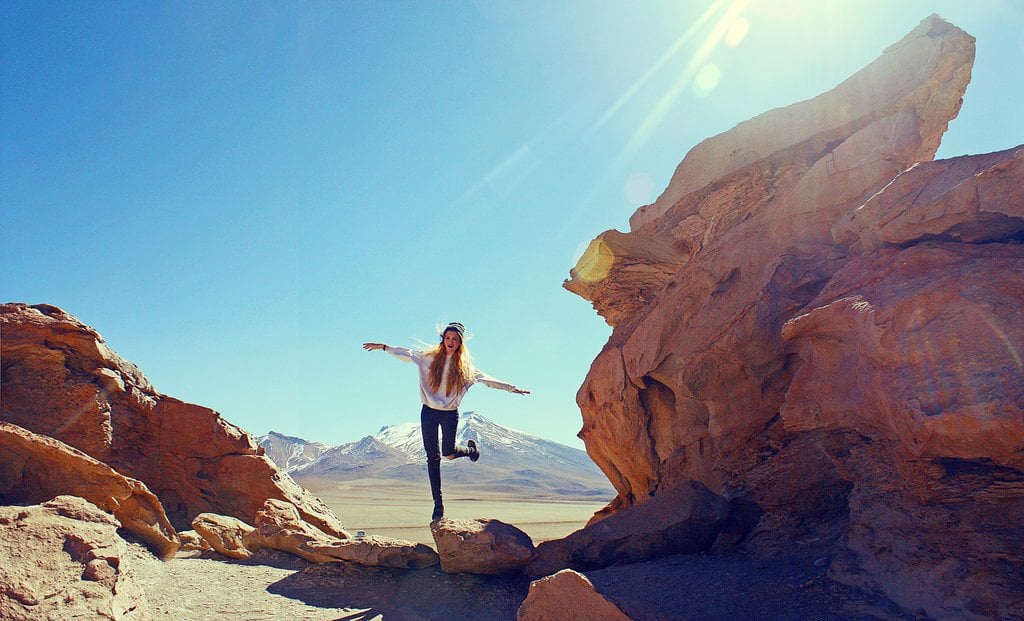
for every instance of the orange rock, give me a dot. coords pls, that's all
(840, 343)
(565, 596)
(61, 380)
(37, 468)
(481, 546)
(279, 527)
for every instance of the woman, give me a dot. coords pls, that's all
(446, 373)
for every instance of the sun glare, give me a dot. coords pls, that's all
(737, 32)
(699, 72)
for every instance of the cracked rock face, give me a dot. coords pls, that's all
(816, 318)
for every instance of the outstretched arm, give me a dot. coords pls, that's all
(491, 382)
(402, 353)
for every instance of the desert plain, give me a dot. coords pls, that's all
(402, 511)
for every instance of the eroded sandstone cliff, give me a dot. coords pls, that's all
(817, 319)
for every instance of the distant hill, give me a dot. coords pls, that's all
(511, 461)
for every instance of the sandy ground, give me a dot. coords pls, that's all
(275, 585)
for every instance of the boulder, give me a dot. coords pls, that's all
(191, 541)
(567, 596)
(227, 535)
(36, 468)
(64, 560)
(820, 323)
(61, 380)
(481, 546)
(685, 518)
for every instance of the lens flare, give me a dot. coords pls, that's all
(707, 80)
(638, 189)
(687, 77)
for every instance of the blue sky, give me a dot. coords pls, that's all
(237, 195)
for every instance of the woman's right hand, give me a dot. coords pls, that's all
(373, 346)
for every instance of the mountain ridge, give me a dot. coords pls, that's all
(511, 461)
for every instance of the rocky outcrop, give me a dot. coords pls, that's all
(839, 343)
(37, 468)
(279, 527)
(481, 546)
(567, 596)
(64, 560)
(681, 520)
(61, 380)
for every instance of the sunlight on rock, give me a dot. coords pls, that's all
(737, 32)
(707, 80)
(595, 263)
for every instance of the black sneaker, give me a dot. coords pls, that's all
(474, 452)
(438, 512)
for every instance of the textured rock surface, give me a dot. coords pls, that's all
(64, 560)
(61, 380)
(481, 546)
(191, 541)
(37, 468)
(279, 527)
(227, 535)
(927, 340)
(567, 596)
(683, 519)
(840, 345)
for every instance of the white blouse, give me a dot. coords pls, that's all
(441, 400)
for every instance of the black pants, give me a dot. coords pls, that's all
(447, 420)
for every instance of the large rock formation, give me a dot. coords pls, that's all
(64, 560)
(813, 321)
(60, 380)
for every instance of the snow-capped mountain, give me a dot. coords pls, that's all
(511, 461)
(289, 452)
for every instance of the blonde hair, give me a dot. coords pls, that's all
(460, 371)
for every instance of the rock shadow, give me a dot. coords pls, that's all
(405, 594)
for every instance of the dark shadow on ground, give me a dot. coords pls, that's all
(682, 587)
(421, 594)
(735, 586)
